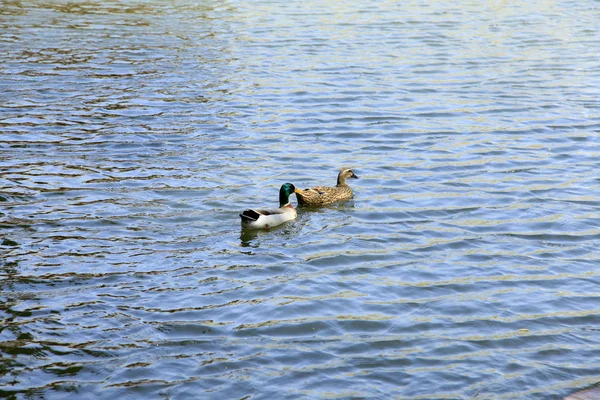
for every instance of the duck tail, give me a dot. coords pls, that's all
(249, 215)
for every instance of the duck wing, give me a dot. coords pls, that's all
(323, 195)
(254, 215)
(314, 196)
(320, 190)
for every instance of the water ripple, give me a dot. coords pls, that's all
(134, 133)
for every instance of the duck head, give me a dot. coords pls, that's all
(345, 174)
(285, 192)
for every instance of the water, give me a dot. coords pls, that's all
(133, 133)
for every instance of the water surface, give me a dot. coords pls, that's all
(132, 134)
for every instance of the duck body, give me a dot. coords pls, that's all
(268, 218)
(323, 195)
(265, 219)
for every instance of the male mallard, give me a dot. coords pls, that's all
(322, 195)
(272, 217)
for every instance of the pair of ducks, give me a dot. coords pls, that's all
(313, 197)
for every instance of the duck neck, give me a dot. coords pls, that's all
(341, 180)
(284, 199)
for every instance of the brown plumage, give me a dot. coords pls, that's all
(323, 195)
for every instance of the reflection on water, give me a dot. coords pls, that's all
(133, 133)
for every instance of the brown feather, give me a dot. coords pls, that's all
(323, 195)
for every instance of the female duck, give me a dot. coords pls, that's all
(323, 195)
(269, 218)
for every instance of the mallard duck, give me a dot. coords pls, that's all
(322, 195)
(269, 218)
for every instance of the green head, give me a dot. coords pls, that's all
(285, 192)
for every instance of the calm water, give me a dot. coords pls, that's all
(133, 133)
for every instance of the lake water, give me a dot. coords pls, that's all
(132, 134)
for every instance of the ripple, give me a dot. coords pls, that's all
(133, 134)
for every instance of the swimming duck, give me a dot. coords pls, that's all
(269, 218)
(323, 195)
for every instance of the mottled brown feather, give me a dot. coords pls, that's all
(323, 195)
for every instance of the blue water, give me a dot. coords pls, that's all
(132, 133)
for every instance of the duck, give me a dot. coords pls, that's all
(268, 218)
(323, 195)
